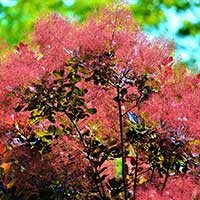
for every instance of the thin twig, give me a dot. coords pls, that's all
(129, 110)
(152, 173)
(166, 176)
(135, 178)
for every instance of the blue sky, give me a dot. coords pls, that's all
(187, 45)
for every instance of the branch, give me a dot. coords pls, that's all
(122, 143)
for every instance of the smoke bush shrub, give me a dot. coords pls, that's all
(78, 100)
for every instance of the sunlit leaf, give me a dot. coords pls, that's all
(5, 166)
(10, 184)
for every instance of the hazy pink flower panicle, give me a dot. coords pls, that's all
(183, 187)
(105, 122)
(143, 54)
(177, 103)
(70, 164)
(55, 38)
(18, 70)
(25, 65)
(65, 150)
(21, 67)
(117, 30)
(97, 35)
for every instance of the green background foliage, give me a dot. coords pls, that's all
(176, 19)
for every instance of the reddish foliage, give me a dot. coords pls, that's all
(32, 169)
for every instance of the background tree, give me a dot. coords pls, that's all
(178, 20)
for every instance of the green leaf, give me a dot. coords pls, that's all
(18, 108)
(115, 192)
(116, 99)
(58, 74)
(80, 101)
(124, 92)
(76, 91)
(1, 170)
(91, 110)
(40, 133)
(115, 183)
(34, 120)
